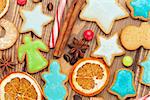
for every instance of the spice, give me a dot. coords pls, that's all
(68, 24)
(50, 6)
(5, 64)
(77, 97)
(77, 50)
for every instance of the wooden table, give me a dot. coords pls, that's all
(79, 28)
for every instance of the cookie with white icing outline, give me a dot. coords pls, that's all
(108, 48)
(104, 13)
(34, 20)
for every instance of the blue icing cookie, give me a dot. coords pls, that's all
(141, 8)
(145, 72)
(54, 83)
(123, 84)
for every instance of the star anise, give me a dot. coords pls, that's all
(77, 50)
(5, 64)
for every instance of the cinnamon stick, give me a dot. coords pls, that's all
(63, 29)
(67, 27)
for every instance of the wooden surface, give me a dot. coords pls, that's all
(79, 28)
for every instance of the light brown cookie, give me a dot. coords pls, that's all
(10, 36)
(133, 37)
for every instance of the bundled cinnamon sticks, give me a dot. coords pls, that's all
(68, 24)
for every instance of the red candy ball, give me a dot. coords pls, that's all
(88, 35)
(21, 2)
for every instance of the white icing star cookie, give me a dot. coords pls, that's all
(108, 48)
(103, 12)
(34, 20)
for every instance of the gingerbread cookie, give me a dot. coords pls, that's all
(123, 85)
(31, 50)
(20, 86)
(54, 88)
(145, 71)
(34, 20)
(4, 5)
(10, 36)
(133, 37)
(108, 48)
(140, 9)
(89, 76)
(103, 12)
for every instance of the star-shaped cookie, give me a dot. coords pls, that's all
(140, 9)
(103, 12)
(34, 20)
(108, 48)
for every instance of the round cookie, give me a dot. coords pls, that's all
(10, 36)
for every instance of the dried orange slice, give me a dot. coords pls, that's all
(89, 76)
(20, 86)
(4, 5)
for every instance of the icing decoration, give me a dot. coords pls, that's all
(88, 35)
(108, 48)
(123, 85)
(4, 5)
(139, 9)
(103, 12)
(35, 60)
(127, 61)
(57, 23)
(145, 71)
(11, 34)
(34, 20)
(21, 2)
(54, 87)
(133, 37)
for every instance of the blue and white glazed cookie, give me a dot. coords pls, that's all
(140, 9)
(123, 85)
(145, 71)
(54, 88)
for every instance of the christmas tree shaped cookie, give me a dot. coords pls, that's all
(145, 71)
(123, 84)
(31, 49)
(54, 83)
